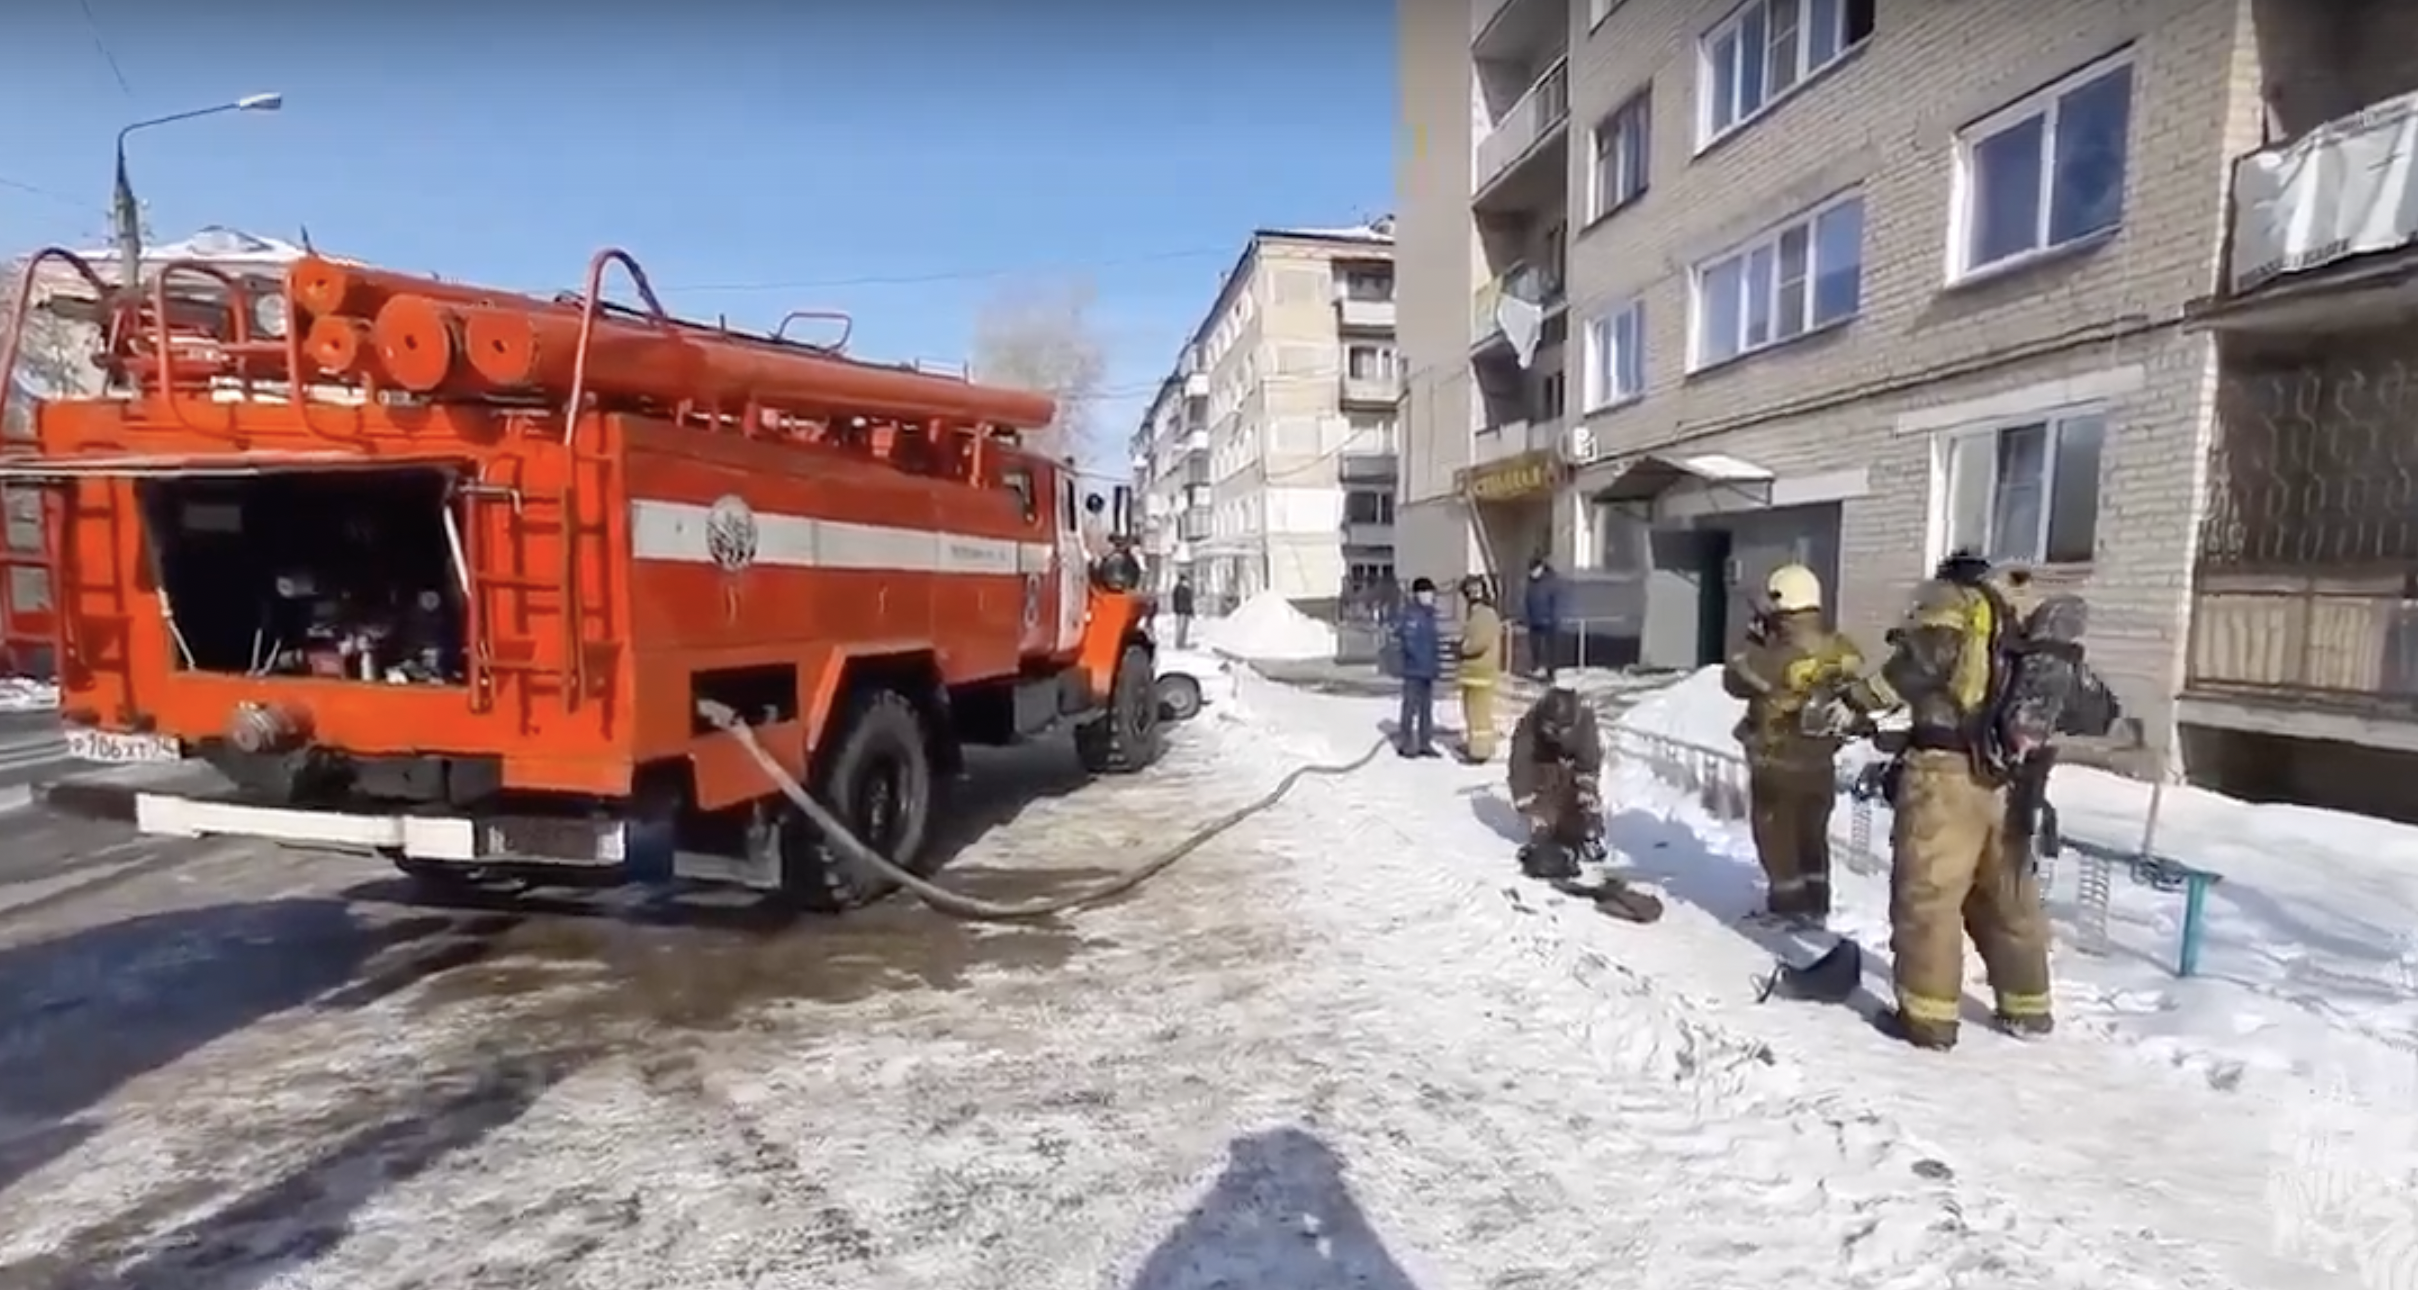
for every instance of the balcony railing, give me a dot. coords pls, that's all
(1533, 283)
(1366, 315)
(1383, 387)
(1369, 533)
(1366, 467)
(1538, 113)
(2313, 641)
(2340, 191)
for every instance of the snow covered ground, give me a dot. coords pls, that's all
(1343, 1045)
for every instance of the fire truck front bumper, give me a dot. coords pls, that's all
(550, 840)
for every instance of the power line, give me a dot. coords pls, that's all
(36, 190)
(953, 275)
(101, 46)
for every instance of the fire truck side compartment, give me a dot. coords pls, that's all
(342, 574)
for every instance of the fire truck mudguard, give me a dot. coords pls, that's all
(446, 573)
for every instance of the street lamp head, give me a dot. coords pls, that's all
(260, 102)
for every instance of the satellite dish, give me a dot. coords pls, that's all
(1523, 324)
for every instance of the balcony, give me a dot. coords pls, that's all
(2341, 643)
(1533, 283)
(1504, 30)
(1196, 385)
(1382, 389)
(2302, 597)
(1367, 534)
(2323, 231)
(1526, 131)
(1364, 315)
(1193, 526)
(1368, 468)
(1508, 439)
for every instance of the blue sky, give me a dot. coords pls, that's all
(898, 160)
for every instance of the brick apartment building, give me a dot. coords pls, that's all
(1856, 282)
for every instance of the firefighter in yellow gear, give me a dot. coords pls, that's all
(1792, 658)
(1481, 669)
(1953, 871)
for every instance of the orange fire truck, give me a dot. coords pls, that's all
(448, 574)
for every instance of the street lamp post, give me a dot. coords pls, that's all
(123, 212)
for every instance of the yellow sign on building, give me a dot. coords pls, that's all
(1531, 474)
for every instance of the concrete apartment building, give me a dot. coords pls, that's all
(1857, 282)
(1266, 461)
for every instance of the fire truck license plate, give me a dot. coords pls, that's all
(121, 749)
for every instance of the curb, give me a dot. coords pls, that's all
(87, 799)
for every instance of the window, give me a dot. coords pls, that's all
(1365, 507)
(1621, 151)
(1368, 284)
(1369, 362)
(1363, 576)
(2047, 172)
(1616, 356)
(1806, 274)
(1552, 396)
(2027, 492)
(1765, 49)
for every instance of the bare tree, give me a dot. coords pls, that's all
(45, 355)
(1041, 337)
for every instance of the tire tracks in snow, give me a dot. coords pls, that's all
(1742, 1153)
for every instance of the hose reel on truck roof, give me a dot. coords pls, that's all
(959, 905)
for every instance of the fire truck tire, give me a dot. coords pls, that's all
(1128, 736)
(879, 780)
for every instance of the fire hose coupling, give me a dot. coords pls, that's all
(266, 728)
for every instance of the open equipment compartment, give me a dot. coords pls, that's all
(352, 574)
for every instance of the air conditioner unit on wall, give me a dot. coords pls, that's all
(1578, 444)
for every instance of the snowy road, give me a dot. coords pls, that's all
(1340, 1046)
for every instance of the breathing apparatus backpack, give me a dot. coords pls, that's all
(2039, 685)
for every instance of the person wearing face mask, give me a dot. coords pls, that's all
(1419, 646)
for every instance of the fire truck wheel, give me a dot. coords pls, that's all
(1127, 737)
(879, 780)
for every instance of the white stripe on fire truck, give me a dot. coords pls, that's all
(676, 532)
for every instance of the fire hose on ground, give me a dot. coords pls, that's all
(958, 904)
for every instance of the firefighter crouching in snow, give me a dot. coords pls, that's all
(1557, 763)
(1792, 659)
(1959, 865)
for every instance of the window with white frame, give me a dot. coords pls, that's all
(2027, 492)
(1766, 48)
(1616, 355)
(1621, 156)
(1804, 275)
(2044, 173)
(1370, 363)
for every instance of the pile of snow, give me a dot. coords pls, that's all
(1267, 626)
(1695, 711)
(19, 694)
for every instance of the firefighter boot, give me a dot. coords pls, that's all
(1933, 1036)
(2030, 1025)
(1549, 861)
